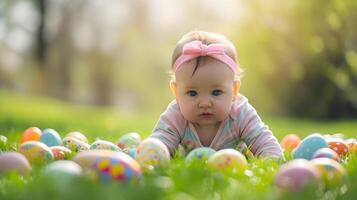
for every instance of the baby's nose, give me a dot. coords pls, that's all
(205, 102)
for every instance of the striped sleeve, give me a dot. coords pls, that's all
(258, 137)
(169, 127)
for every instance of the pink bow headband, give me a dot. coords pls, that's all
(195, 49)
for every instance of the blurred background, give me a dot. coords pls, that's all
(299, 57)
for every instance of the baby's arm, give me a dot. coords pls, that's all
(259, 139)
(168, 127)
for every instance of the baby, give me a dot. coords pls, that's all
(208, 110)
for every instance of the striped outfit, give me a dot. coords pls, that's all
(242, 126)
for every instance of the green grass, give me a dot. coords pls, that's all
(178, 181)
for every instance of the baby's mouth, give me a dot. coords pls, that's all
(206, 114)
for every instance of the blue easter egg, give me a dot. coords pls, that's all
(50, 137)
(309, 146)
(201, 153)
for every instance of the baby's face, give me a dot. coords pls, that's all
(205, 98)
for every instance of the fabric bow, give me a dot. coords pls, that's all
(196, 48)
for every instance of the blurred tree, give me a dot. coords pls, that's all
(309, 52)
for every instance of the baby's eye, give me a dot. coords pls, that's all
(217, 92)
(192, 93)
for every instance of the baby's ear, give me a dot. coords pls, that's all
(236, 87)
(173, 88)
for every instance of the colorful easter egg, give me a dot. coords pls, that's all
(290, 142)
(352, 145)
(309, 146)
(339, 146)
(78, 135)
(63, 168)
(109, 165)
(102, 144)
(36, 151)
(129, 140)
(75, 144)
(333, 173)
(151, 153)
(130, 151)
(326, 153)
(31, 134)
(229, 160)
(14, 161)
(296, 175)
(60, 152)
(201, 153)
(3, 141)
(120, 167)
(50, 137)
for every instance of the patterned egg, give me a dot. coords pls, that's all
(78, 135)
(352, 145)
(129, 140)
(339, 146)
(3, 141)
(333, 173)
(151, 153)
(36, 151)
(50, 137)
(326, 153)
(75, 144)
(60, 152)
(102, 144)
(31, 134)
(63, 168)
(201, 153)
(110, 165)
(14, 161)
(228, 160)
(290, 142)
(309, 146)
(296, 175)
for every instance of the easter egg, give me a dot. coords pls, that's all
(36, 151)
(102, 144)
(80, 136)
(352, 145)
(333, 173)
(326, 153)
(151, 153)
(290, 142)
(129, 140)
(296, 175)
(109, 165)
(201, 153)
(339, 146)
(120, 167)
(50, 137)
(75, 144)
(309, 146)
(60, 152)
(3, 141)
(63, 168)
(31, 134)
(229, 160)
(14, 161)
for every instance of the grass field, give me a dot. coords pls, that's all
(178, 181)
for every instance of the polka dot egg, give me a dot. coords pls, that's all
(339, 146)
(309, 146)
(228, 160)
(201, 153)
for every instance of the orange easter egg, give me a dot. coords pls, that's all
(31, 134)
(339, 146)
(290, 142)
